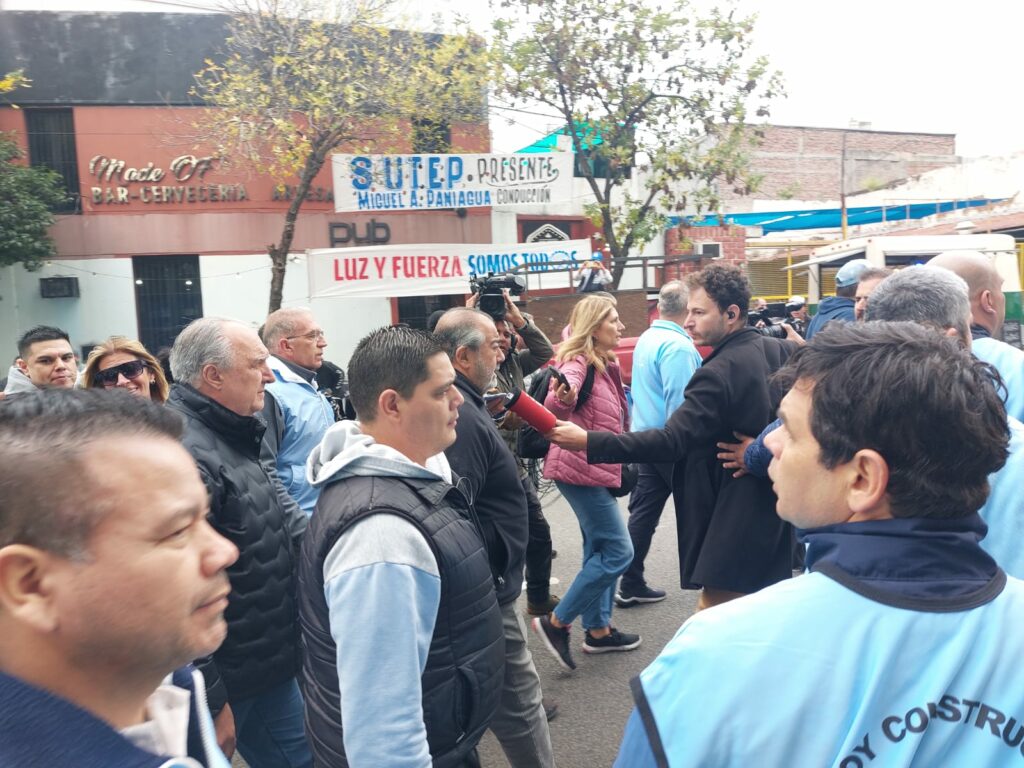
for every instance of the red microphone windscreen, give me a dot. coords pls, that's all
(532, 412)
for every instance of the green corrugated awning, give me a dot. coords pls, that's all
(588, 138)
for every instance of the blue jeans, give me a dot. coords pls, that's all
(607, 552)
(270, 728)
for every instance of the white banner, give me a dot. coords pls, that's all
(429, 270)
(425, 182)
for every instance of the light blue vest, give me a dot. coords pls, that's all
(1009, 361)
(1004, 509)
(307, 416)
(809, 673)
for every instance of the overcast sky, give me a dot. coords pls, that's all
(902, 65)
(930, 66)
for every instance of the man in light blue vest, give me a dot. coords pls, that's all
(938, 298)
(663, 362)
(988, 310)
(906, 634)
(297, 414)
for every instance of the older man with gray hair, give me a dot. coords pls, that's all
(220, 369)
(297, 414)
(936, 297)
(926, 295)
(490, 475)
(663, 362)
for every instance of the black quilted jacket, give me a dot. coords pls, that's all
(261, 649)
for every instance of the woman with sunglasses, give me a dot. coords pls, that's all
(124, 363)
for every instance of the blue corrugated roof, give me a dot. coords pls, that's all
(827, 218)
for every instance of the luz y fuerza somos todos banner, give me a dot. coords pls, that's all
(389, 271)
(426, 182)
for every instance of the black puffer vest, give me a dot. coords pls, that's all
(261, 649)
(465, 665)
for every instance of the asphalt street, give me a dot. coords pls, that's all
(594, 701)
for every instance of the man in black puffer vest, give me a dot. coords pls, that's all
(220, 367)
(404, 653)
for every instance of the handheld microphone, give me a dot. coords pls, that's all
(532, 412)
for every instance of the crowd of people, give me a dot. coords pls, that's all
(242, 547)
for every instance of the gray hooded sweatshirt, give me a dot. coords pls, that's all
(383, 589)
(17, 382)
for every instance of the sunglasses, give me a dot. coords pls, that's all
(131, 370)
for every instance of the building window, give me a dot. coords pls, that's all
(414, 311)
(168, 296)
(51, 144)
(431, 137)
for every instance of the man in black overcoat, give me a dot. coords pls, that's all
(731, 542)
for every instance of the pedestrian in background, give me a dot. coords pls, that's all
(664, 359)
(125, 364)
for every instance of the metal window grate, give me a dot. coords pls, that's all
(51, 144)
(168, 296)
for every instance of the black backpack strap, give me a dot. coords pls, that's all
(588, 385)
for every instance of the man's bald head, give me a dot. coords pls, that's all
(984, 286)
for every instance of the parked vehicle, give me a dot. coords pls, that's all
(903, 250)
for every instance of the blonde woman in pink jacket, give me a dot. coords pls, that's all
(607, 550)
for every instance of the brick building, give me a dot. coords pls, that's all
(158, 230)
(809, 164)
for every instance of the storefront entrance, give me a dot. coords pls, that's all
(167, 297)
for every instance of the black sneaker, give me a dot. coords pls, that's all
(556, 640)
(625, 598)
(614, 641)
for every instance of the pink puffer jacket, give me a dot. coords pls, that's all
(605, 411)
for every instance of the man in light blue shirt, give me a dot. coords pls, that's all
(297, 414)
(663, 362)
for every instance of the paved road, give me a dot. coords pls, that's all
(594, 701)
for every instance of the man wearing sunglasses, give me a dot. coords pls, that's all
(46, 360)
(297, 414)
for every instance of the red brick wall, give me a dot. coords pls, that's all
(680, 242)
(804, 163)
(551, 313)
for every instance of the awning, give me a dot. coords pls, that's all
(588, 138)
(828, 218)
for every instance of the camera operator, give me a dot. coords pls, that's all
(796, 309)
(763, 322)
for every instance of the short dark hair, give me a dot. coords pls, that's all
(436, 315)
(44, 435)
(847, 291)
(725, 284)
(40, 333)
(395, 358)
(875, 273)
(889, 386)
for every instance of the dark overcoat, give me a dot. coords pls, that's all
(729, 535)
